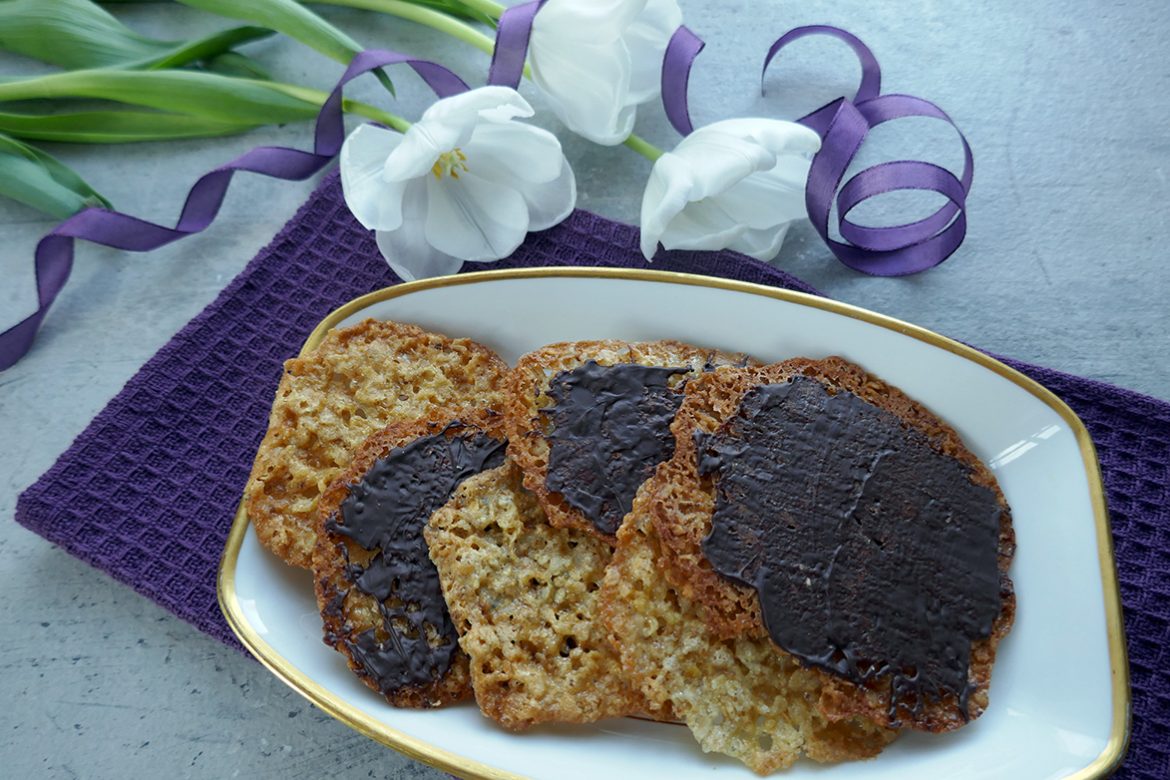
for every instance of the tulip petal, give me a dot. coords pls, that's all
(734, 184)
(594, 21)
(473, 218)
(723, 223)
(406, 249)
(420, 148)
(549, 202)
(596, 61)
(411, 257)
(702, 224)
(376, 203)
(646, 40)
(760, 244)
(717, 161)
(464, 110)
(667, 193)
(449, 124)
(586, 86)
(524, 152)
(764, 200)
(722, 153)
(671, 217)
(777, 135)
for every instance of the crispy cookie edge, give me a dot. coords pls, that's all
(329, 563)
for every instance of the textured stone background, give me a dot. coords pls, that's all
(1065, 105)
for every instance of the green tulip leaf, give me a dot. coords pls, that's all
(77, 34)
(294, 20)
(71, 33)
(116, 127)
(232, 63)
(197, 93)
(206, 49)
(41, 181)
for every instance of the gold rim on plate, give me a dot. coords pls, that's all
(1101, 766)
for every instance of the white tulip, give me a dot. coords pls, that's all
(597, 60)
(736, 184)
(464, 183)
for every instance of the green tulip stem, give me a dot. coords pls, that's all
(318, 97)
(392, 121)
(643, 147)
(428, 17)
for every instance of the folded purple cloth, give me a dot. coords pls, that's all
(148, 491)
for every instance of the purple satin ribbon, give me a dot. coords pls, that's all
(54, 254)
(680, 55)
(843, 125)
(513, 31)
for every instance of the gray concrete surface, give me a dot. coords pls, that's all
(1066, 106)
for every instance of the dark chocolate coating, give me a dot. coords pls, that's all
(386, 512)
(873, 555)
(610, 427)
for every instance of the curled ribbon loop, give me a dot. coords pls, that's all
(54, 253)
(887, 177)
(843, 125)
(871, 72)
(883, 251)
(513, 32)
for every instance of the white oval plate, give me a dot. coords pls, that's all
(1060, 693)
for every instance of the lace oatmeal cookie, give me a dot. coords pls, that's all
(377, 590)
(740, 697)
(358, 380)
(588, 421)
(682, 503)
(523, 595)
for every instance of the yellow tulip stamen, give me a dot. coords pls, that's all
(450, 163)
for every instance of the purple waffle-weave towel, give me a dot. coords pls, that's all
(147, 493)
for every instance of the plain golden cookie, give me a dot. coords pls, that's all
(524, 596)
(740, 697)
(358, 380)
